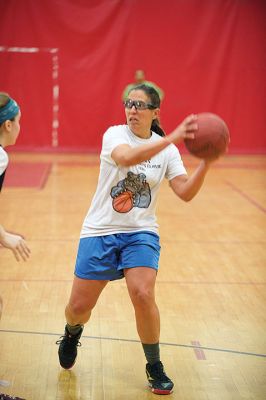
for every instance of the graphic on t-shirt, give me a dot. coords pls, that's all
(133, 191)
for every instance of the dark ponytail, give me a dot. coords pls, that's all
(155, 127)
(155, 101)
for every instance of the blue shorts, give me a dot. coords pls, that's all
(105, 257)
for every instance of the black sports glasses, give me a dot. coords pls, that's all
(138, 104)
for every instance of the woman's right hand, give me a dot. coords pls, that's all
(185, 130)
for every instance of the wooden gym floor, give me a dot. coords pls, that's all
(210, 287)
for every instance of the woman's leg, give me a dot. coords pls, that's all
(141, 284)
(83, 298)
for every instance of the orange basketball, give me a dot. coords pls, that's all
(124, 202)
(211, 139)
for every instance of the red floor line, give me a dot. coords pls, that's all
(199, 353)
(245, 196)
(45, 177)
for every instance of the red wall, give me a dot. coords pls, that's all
(207, 55)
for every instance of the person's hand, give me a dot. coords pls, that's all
(210, 160)
(214, 158)
(15, 243)
(185, 130)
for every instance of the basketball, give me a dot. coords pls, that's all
(123, 202)
(211, 139)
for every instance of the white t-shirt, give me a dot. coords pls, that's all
(125, 198)
(3, 160)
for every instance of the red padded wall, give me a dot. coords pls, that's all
(206, 55)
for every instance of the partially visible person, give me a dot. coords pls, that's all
(9, 131)
(7, 397)
(140, 80)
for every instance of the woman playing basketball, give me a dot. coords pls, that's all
(119, 237)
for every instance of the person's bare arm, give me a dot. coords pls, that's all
(186, 187)
(125, 155)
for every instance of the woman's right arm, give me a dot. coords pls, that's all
(126, 155)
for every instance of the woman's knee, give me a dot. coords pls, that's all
(142, 297)
(79, 307)
(84, 295)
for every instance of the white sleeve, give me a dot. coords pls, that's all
(175, 165)
(3, 160)
(114, 136)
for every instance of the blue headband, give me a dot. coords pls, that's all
(8, 111)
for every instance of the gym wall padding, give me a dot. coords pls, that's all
(206, 55)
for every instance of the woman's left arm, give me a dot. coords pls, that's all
(186, 187)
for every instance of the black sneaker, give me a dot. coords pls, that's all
(158, 380)
(67, 351)
(7, 397)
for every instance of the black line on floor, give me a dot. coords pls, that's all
(243, 353)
